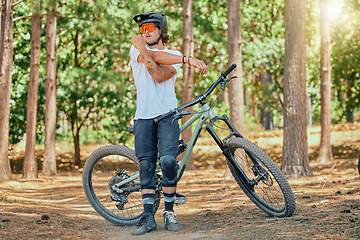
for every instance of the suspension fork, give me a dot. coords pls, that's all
(249, 184)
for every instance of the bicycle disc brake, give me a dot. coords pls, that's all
(262, 175)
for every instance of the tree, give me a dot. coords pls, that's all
(236, 94)
(295, 162)
(188, 75)
(30, 164)
(325, 152)
(6, 65)
(20, 79)
(49, 164)
(266, 87)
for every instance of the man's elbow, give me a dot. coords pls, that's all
(159, 79)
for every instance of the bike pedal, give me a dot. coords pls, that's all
(180, 199)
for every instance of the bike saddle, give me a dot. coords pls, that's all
(131, 129)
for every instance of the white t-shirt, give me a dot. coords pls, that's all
(152, 99)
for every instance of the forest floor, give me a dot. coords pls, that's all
(328, 204)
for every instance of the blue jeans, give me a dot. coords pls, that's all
(151, 138)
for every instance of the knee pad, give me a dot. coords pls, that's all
(169, 169)
(147, 174)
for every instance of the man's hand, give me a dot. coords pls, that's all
(200, 65)
(139, 42)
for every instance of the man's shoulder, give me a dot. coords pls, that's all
(133, 49)
(134, 54)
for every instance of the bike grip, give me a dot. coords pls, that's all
(232, 67)
(161, 117)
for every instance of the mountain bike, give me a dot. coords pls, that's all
(111, 175)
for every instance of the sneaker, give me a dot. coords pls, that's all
(146, 224)
(170, 221)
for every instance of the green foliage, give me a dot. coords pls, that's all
(95, 86)
(345, 58)
(93, 82)
(263, 47)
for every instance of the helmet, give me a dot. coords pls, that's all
(153, 17)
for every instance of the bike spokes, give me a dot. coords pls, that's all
(110, 171)
(265, 188)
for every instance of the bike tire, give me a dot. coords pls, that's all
(98, 177)
(273, 195)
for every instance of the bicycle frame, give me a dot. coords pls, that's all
(202, 115)
(206, 113)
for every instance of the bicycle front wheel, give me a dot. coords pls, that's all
(271, 192)
(103, 170)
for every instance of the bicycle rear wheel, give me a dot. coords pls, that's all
(272, 193)
(106, 167)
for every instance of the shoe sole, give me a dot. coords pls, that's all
(173, 230)
(137, 234)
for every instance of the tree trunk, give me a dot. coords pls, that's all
(295, 161)
(236, 93)
(349, 110)
(76, 138)
(325, 152)
(266, 114)
(30, 170)
(188, 78)
(73, 113)
(49, 164)
(6, 66)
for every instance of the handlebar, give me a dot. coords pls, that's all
(220, 79)
(200, 97)
(229, 70)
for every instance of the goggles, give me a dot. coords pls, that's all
(149, 26)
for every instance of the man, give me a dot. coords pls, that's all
(154, 69)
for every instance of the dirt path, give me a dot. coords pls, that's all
(328, 207)
(328, 204)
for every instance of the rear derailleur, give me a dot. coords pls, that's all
(120, 195)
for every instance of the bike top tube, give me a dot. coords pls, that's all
(201, 97)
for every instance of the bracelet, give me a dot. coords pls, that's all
(189, 60)
(183, 59)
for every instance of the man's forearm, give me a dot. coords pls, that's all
(166, 58)
(158, 72)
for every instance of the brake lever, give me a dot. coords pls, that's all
(179, 115)
(223, 83)
(231, 78)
